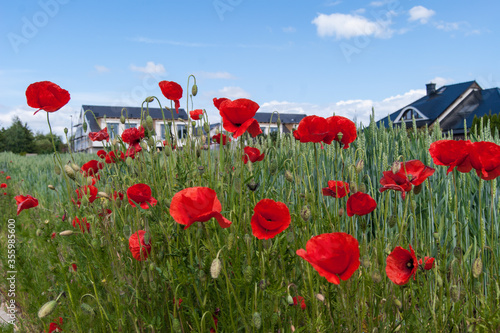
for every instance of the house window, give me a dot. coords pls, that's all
(163, 132)
(130, 125)
(410, 114)
(181, 131)
(273, 129)
(113, 129)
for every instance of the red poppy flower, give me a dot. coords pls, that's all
(133, 137)
(91, 168)
(311, 129)
(141, 194)
(252, 154)
(485, 158)
(118, 195)
(99, 136)
(166, 143)
(196, 114)
(53, 235)
(25, 202)
(82, 225)
(112, 158)
(139, 249)
(225, 139)
(87, 190)
(297, 299)
(218, 101)
(336, 189)
(55, 327)
(4, 193)
(334, 256)
(237, 116)
(452, 153)
(269, 218)
(8, 177)
(401, 265)
(3, 185)
(342, 130)
(172, 91)
(73, 268)
(360, 204)
(412, 172)
(101, 153)
(427, 263)
(197, 204)
(47, 96)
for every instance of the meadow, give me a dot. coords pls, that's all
(211, 277)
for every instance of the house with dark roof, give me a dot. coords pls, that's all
(449, 107)
(269, 122)
(98, 117)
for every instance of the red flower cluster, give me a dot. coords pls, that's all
(427, 263)
(25, 202)
(141, 194)
(101, 153)
(172, 91)
(360, 204)
(299, 299)
(237, 116)
(411, 173)
(402, 265)
(46, 96)
(82, 225)
(217, 138)
(334, 256)
(99, 136)
(318, 129)
(336, 189)
(133, 137)
(269, 218)
(197, 204)
(3, 185)
(56, 327)
(138, 247)
(112, 158)
(252, 154)
(88, 190)
(196, 114)
(483, 156)
(91, 168)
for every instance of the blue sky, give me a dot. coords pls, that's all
(313, 57)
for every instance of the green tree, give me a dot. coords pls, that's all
(18, 138)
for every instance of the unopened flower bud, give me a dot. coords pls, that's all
(392, 221)
(87, 309)
(122, 119)
(248, 240)
(39, 232)
(52, 187)
(417, 189)
(206, 128)
(66, 233)
(458, 252)
(176, 325)
(57, 170)
(194, 90)
(144, 145)
(396, 166)
(362, 188)
(248, 274)
(365, 261)
(359, 166)
(150, 99)
(320, 297)
(65, 130)
(398, 303)
(376, 277)
(289, 176)
(455, 293)
(477, 267)
(289, 300)
(256, 320)
(47, 309)
(353, 187)
(102, 195)
(149, 123)
(75, 167)
(305, 213)
(230, 241)
(215, 268)
(168, 150)
(69, 171)
(84, 126)
(252, 186)
(341, 212)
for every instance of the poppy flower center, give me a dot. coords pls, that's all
(409, 265)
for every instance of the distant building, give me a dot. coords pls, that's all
(289, 121)
(448, 107)
(82, 143)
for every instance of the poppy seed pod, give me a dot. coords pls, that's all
(47, 309)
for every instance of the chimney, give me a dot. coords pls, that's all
(431, 88)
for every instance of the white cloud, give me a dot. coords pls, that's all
(289, 29)
(449, 26)
(150, 68)
(441, 81)
(233, 93)
(421, 14)
(348, 26)
(215, 75)
(101, 69)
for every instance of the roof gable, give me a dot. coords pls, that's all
(286, 118)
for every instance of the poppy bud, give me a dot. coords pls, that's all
(248, 274)
(395, 167)
(66, 233)
(87, 309)
(275, 317)
(365, 261)
(278, 122)
(52, 187)
(122, 119)
(455, 293)
(341, 212)
(417, 189)
(47, 309)
(168, 150)
(359, 166)
(256, 320)
(398, 303)
(252, 186)
(362, 188)
(289, 176)
(353, 187)
(248, 240)
(103, 195)
(392, 221)
(39, 232)
(75, 167)
(150, 99)
(477, 267)
(149, 123)
(144, 145)
(290, 237)
(215, 268)
(65, 130)
(57, 170)
(320, 297)
(376, 277)
(69, 171)
(230, 241)
(95, 243)
(84, 126)
(194, 90)
(305, 213)
(206, 128)
(176, 325)
(289, 299)
(457, 252)
(439, 280)
(273, 167)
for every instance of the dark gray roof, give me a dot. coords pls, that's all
(286, 118)
(490, 101)
(434, 104)
(132, 112)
